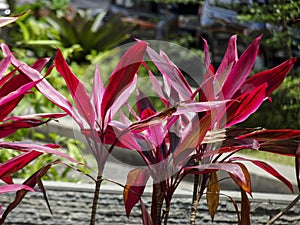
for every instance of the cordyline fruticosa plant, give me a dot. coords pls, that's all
(191, 135)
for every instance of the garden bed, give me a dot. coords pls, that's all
(71, 204)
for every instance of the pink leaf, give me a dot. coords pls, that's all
(27, 147)
(16, 122)
(183, 108)
(241, 69)
(145, 215)
(4, 64)
(230, 57)
(172, 73)
(233, 169)
(207, 60)
(14, 187)
(7, 20)
(122, 75)
(76, 89)
(97, 92)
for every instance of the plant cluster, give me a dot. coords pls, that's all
(192, 134)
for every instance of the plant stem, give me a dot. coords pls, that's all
(167, 210)
(276, 217)
(96, 199)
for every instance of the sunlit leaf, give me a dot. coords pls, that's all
(241, 70)
(123, 75)
(76, 88)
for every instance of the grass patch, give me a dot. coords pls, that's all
(271, 157)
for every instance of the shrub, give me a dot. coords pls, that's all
(191, 134)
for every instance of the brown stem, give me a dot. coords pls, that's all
(166, 213)
(276, 217)
(157, 200)
(96, 199)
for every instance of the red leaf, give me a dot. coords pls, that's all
(284, 147)
(297, 162)
(239, 110)
(13, 165)
(30, 182)
(269, 169)
(76, 88)
(123, 75)
(7, 180)
(272, 77)
(44, 87)
(272, 135)
(134, 188)
(241, 70)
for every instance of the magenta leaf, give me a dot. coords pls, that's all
(241, 70)
(123, 75)
(76, 88)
